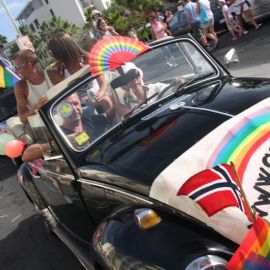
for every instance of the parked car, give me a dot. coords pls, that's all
(100, 189)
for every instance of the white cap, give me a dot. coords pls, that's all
(94, 12)
(129, 65)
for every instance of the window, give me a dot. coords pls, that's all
(36, 22)
(81, 120)
(52, 12)
(32, 27)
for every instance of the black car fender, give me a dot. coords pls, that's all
(25, 180)
(171, 244)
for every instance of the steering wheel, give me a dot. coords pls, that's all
(162, 93)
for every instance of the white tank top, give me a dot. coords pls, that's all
(35, 92)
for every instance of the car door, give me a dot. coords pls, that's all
(58, 185)
(59, 188)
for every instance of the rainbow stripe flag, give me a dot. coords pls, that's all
(254, 251)
(8, 78)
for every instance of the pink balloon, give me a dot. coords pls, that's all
(14, 148)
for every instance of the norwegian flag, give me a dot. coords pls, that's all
(215, 189)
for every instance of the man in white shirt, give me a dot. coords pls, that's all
(136, 92)
(30, 90)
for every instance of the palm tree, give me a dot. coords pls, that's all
(3, 40)
(47, 29)
(140, 6)
(89, 21)
(13, 49)
(126, 14)
(53, 25)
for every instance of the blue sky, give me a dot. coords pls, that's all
(15, 7)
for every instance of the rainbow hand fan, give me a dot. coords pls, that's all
(111, 52)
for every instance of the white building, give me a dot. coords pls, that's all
(38, 11)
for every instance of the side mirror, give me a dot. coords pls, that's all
(231, 57)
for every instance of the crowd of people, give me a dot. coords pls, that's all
(197, 17)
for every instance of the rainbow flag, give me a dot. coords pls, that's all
(8, 78)
(254, 251)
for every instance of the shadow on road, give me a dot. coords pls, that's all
(7, 168)
(26, 246)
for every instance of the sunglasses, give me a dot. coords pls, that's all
(19, 66)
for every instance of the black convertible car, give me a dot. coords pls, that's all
(119, 188)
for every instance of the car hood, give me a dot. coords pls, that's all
(210, 180)
(163, 134)
(235, 95)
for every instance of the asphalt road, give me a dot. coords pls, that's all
(24, 241)
(253, 51)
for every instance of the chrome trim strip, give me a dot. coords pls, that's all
(208, 110)
(178, 101)
(163, 108)
(48, 172)
(91, 183)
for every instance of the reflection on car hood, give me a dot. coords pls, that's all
(141, 151)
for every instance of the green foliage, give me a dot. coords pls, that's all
(140, 5)
(144, 33)
(126, 14)
(47, 28)
(89, 21)
(53, 25)
(3, 40)
(13, 49)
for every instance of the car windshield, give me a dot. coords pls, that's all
(158, 73)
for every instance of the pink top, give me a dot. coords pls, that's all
(158, 29)
(227, 14)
